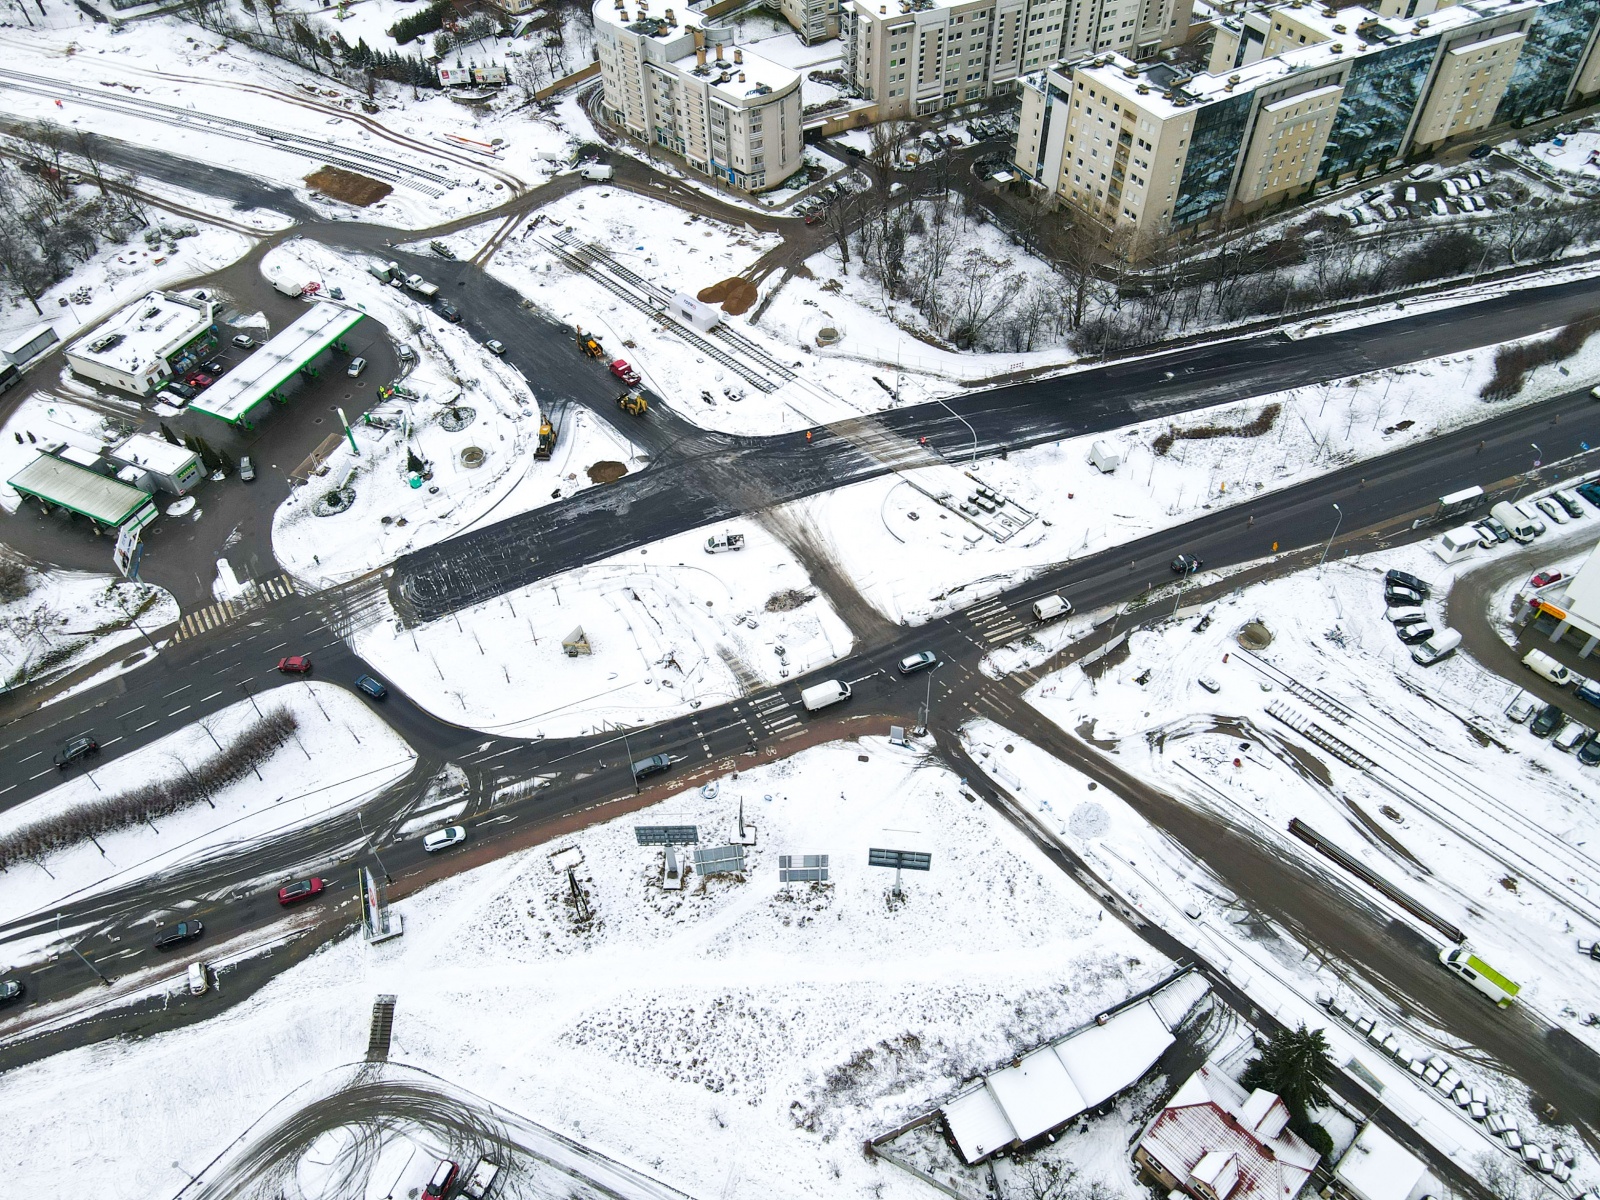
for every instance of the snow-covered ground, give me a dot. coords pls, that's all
(58, 620)
(731, 1038)
(340, 754)
(453, 375)
(914, 561)
(669, 627)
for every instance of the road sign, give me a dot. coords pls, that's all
(720, 860)
(667, 835)
(129, 550)
(900, 860)
(802, 868)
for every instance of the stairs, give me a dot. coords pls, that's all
(382, 1028)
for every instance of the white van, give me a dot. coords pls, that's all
(1515, 521)
(1530, 514)
(1543, 665)
(820, 695)
(1439, 647)
(199, 982)
(1456, 544)
(598, 172)
(1048, 608)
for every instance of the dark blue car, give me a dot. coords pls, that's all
(371, 687)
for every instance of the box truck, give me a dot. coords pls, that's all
(1456, 544)
(820, 695)
(1516, 523)
(1549, 668)
(1480, 975)
(1048, 608)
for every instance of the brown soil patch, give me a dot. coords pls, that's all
(736, 295)
(606, 472)
(788, 600)
(347, 186)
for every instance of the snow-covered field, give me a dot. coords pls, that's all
(670, 628)
(340, 754)
(914, 561)
(58, 620)
(729, 1039)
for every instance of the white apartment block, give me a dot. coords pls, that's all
(813, 20)
(683, 85)
(913, 57)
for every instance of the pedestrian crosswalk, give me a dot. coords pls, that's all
(996, 622)
(257, 594)
(777, 715)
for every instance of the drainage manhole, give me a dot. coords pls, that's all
(472, 456)
(1255, 636)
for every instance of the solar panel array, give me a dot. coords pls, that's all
(719, 860)
(900, 860)
(667, 835)
(802, 868)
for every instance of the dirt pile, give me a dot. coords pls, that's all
(736, 295)
(347, 186)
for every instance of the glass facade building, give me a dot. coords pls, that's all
(1380, 96)
(1213, 150)
(1549, 60)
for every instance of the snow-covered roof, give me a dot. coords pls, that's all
(1376, 1167)
(79, 490)
(1049, 1086)
(153, 454)
(1583, 592)
(672, 28)
(144, 333)
(1212, 1116)
(274, 364)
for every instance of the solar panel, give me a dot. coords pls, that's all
(667, 835)
(900, 860)
(803, 868)
(719, 860)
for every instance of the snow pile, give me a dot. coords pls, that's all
(668, 628)
(729, 1037)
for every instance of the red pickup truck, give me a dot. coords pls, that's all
(624, 372)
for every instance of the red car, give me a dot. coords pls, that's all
(303, 889)
(295, 664)
(443, 1176)
(1546, 578)
(624, 372)
(198, 379)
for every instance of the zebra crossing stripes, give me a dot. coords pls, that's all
(260, 593)
(995, 622)
(775, 713)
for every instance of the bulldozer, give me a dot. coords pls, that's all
(547, 439)
(633, 403)
(590, 344)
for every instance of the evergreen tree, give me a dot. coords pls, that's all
(1293, 1065)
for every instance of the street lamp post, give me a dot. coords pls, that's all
(372, 844)
(968, 424)
(927, 700)
(1331, 536)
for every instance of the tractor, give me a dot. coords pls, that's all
(590, 344)
(633, 403)
(547, 439)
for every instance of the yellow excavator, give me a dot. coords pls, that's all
(633, 403)
(590, 344)
(547, 438)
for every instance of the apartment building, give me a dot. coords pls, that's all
(813, 20)
(683, 85)
(913, 57)
(1142, 148)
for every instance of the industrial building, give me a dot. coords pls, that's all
(914, 57)
(240, 396)
(680, 83)
(1303, 97)
(159, 336)
(154, 465)
(60, 480)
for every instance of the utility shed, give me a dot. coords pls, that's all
(259, 378)
(60, 484)
(694, 313)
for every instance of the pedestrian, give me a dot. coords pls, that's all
(1251, 521)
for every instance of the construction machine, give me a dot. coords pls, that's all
(633, 403)
(590, 344)
(547, 438)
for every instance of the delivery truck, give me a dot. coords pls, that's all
(1544, 665)
(1516, 523)
(421, 286)
(1479, 974)
(820, 695)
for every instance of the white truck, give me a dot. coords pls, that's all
(1515, 522)
(820, 695)
(388, 272)
(598, 172)
(419, 285)
(717, 543)
(289, 288)
(1048, 608)
(1480, 975)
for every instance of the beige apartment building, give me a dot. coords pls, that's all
(1147, 150)
(684, 86)
(913, 57)
(813, 20)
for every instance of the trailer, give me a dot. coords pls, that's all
(1480, 975)
(1456, 544)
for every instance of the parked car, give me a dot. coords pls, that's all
(371, 687)
(177, 935)
(1411, 635)
(303, 889)
(444, 1177)
(1405, 614)
(11, 989)
(624, 371)
(1571, 737)
(443, 839)
(295, 664)
(1545, 579)
(1589, 693)
(495, 346)
(1410, 581)
(1552, 510)
(76, 748)
(1410, 621)
(1186, 564)
(449, 312)
(1395, 593)
(1209, 683)
(1486, 537)
(1496, 527)
(405, 353)
(247, 469)
(1522, 707)
(198, 380)
(1589, 752)
(1549, 720)
(182, 390)
(1569, 503)
(1590, 491)
(243, 340)
(919, 661)
(357, 365)
(216, 367)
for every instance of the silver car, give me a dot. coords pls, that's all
(357, 365)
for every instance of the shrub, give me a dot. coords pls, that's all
(430, 19)
(1258, 425)
(1513, 363)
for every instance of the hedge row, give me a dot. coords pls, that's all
(108, 814)
(1262, 423)
(1513, 363)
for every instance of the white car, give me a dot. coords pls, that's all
(443, 839)
(1552, 510)
(357, 365)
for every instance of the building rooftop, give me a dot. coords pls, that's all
(144, 331)
(79, 490)
(674, 27)
(275, 363)
(153, 454)
(1376, 1167)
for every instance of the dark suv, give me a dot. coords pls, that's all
(449, 311)
(1549, 720)
(76, 748)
